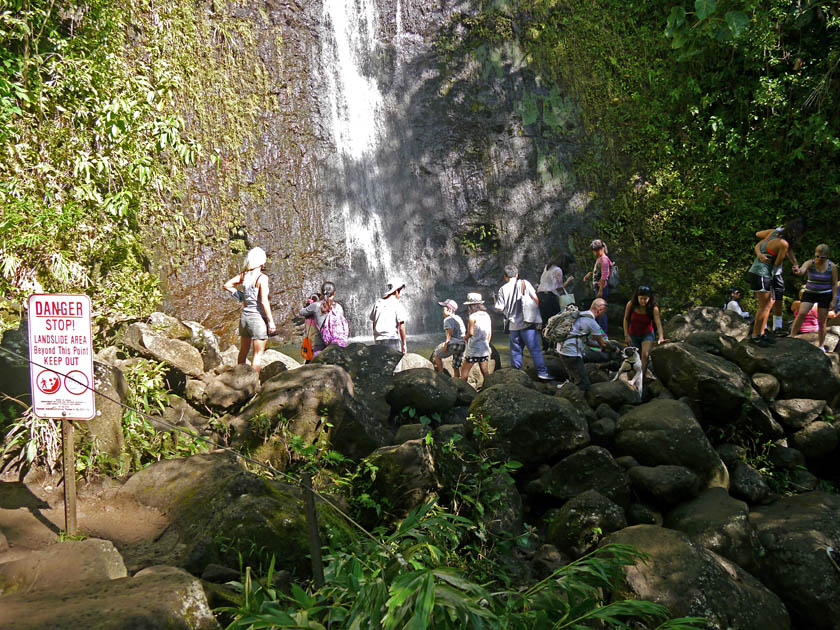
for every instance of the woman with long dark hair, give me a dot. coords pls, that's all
(640, 316)
(319, 310)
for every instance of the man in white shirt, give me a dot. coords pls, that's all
(518, 300)
(388, 318)
(572, 349)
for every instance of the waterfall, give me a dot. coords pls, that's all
(355, 119)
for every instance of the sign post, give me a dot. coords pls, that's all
(61, 375)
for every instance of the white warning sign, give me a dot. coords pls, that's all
(61, 356)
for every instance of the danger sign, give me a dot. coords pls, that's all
(61, 356)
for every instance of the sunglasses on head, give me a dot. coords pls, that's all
(820, 256)
(644, 289)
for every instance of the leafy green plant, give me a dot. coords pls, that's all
(31, 441)
(402, 581)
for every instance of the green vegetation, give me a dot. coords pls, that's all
(705, 122)
(443, 567)
(88, 154)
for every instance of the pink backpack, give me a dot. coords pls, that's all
(335, 329)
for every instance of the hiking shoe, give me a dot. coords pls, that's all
(761, 342)
(779, 332)
(545, 377)
(768, 338)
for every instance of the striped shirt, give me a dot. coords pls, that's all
(819, 281)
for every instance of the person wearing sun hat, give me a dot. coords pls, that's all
(388, 317)
(453, 345)
(479, 333)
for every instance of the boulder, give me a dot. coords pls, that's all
(573, 528)
(721, 524)
(713, 342)
(230, 387)
(612, 393)
(796, 413)
(731, 454)
(178, 355)
(371, 368)
(412, 360)
(767, 385)
(73, 562)
(218, 511)
(605, 411)
(689, 580)
(665, 485)
(423, 389)
(706, 319)
(169, 326)
(816, 440)
(315, 402)
(106, 427)
(530, 427)
(408, 432)
(796, 532)
(509, 376)
(746, 483)
(162, 598)
(591, 468)
(643, 514)
(786, 457)
(178, 412)
(602, 431)
(665, 431)
(271, 356)
(207, 343)
(803, 370)
(271, 370)
(405, 475)
(720, 390)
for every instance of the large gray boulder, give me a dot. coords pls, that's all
(573, 528)
(177, 354)
(531, 427)
(616, 394)
(803, 370)
(747, 483)
(405, 475)
(816, 440)
(722, 392)
(706, 319)
(721, 524)
(229, 387)
(371, 368)
(317, 403)
(509, 376)
(218, 511)
(106, 426)
(713, 342)
(591, 468)
(796, 413)
(169, 326)
(159, 598)
(665, 484)
(692, 581)
(665, 431)
(796, 533)
(422, 389)
(207, 343)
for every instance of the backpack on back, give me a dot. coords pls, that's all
(335, 329)
(559, 327)
(612, 281)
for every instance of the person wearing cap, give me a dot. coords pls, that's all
(453, 345)
(518, 300)
(479, 333)
(255, 322)
(388, 317)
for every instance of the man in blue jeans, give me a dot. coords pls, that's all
(519, 303)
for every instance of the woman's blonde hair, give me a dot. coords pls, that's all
(255, 258)
(822, 248)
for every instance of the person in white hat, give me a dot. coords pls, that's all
(453, 345)
(256, 322)
(388, 317)
(479, 333)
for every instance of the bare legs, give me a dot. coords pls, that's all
(484, 366)
(765, 303)
(646, 346)
(822, 316)
(245, 347)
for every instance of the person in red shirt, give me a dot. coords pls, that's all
(640, 315)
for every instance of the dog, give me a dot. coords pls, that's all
(630, 369)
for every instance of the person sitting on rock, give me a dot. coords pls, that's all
(453, 345)
(478, 335)
(388, 317)
(255, 322)
(733, 304)
(810, 322)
